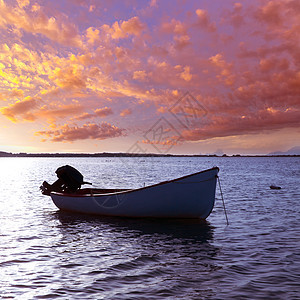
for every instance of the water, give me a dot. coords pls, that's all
(47, 254)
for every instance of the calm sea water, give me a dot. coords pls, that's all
(47, 254)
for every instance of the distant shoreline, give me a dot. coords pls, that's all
(124, 154)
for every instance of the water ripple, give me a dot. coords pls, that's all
(46, 254)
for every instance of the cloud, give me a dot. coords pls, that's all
(203, 20)
(99, 112)
(23, 3)
(174, 27)
(273, 64)
(60, 111)
(139, 75)
(179, 31)
(237, 19)
(21, 109)
(126, 112)
(68, 133)
(69, 78)
(186, 75)
(29, 109)
(172, 141)
(224, 125)
(153, 3)
(103, 112)
(37, 22)
(270, 13)
(11, 94)
(133, 26)
(93, 35)
(182, 41)
(225, 68)
(235, 16)
(123, 29)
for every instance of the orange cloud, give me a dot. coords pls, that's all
(69, 78)
(21, 109)
(225, 68)
(54, 112)
(11, 94)
(125, 28)
(126, 112)
(68, 133)
(100, 112)
(186, 75)
(93, 35)
(23, 3)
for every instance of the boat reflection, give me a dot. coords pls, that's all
(144, 252)
(184, 229)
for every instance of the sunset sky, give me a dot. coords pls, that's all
(186, 77)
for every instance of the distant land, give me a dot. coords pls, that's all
(124, 154)
(292, 151)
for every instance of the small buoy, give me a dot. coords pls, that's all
(274, 187)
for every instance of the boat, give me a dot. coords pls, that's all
(190, 196)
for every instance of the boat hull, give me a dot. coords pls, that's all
(191, 196)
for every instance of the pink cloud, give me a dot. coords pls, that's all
(227, 125)
(133, 26)
(103, 112)
(181, 42)
(68, 133)
(139, 75)
(37, 22)
(273, 64)
(203, 20)
(235, 16)
(270, 13)
(174, 27)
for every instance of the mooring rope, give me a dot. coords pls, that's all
(223, 199)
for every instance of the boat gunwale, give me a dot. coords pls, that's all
(130, 190)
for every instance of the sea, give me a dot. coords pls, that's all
(49, 254)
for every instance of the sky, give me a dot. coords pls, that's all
(156, 76)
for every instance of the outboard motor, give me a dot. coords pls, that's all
(69, 181)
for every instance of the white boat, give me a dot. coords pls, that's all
(191, 196)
